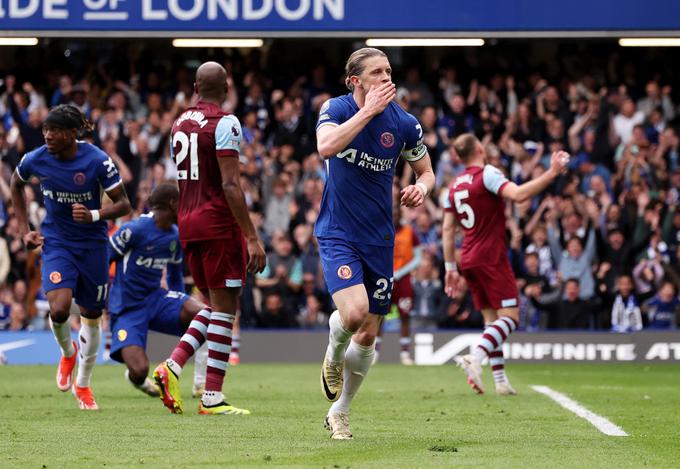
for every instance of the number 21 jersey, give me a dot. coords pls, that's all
(476, 202)
(200, 135)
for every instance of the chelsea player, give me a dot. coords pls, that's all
(73, 236)
(361, 135)
(143, 249)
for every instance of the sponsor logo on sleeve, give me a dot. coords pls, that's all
(125, 235)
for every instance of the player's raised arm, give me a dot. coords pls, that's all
(558, 163)
(332, 137)
(368, 76)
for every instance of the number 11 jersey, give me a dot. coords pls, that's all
(476, 202)
(200, 135)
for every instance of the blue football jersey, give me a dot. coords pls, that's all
(66, 182)
(142, 251)
(357, 196)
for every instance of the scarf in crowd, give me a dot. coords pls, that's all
(626, 316)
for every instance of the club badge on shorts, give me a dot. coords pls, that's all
(122, 335)
(344, 272)
(55, 277)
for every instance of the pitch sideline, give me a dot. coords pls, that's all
(599, 422)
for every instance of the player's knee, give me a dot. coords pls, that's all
(509, 312)
(60, 313)
(365, 337)
(139, 370)
(91, 313)
(355, 316)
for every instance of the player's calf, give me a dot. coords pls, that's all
(137, 363)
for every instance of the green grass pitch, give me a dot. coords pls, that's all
(403, 417)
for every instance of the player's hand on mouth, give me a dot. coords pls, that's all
(378, 97)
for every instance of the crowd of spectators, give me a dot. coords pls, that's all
(599, 250)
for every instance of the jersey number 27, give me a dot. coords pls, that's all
(187, 144)
(464, 209)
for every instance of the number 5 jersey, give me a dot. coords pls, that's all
(476, 202)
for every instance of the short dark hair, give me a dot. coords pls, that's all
(162, 195)
(466, 145)
(573, 280)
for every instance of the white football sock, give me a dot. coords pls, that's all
(211, 398)
(358, 360)
(338, 338)
(200, 365)
(89, 339)
(174, 367)
(62, 334)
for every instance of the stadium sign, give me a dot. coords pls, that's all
(275, 18)
(562, 347)
(436, 348)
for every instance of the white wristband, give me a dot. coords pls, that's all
(95, 215)
(450, 266)
(423, 187)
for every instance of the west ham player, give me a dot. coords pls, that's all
(219, 240)
(72, 175)
(361, 135)
(476, 203)
(142, 250)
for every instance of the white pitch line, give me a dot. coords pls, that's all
(599, 422)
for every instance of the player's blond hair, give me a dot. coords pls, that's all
(355, 63)
(466, 146)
